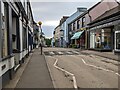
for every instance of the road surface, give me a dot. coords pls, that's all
(90, 71)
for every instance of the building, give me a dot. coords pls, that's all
(62, 31)
(15, 37)
(57, 36)
(63, 42)
(73, 27)
(104, 28)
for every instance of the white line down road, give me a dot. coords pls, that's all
(99, 67)
(63, 70)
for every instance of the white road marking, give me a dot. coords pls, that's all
(60, 53)
(52, 53)
(69, 52)
(63, 70)
(99, 67)
(75, 52)
(117, 74)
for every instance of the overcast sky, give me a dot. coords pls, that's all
(50, 13)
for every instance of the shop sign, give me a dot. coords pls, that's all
(101, 26)
(82, 28)
(106, 25)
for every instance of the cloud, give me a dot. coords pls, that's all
(50, 13)
(50, 23)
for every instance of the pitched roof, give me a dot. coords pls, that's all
(107, 14)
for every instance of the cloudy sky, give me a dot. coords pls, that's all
(51, 12)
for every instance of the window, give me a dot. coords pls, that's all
(74, 26)
(83, 21)
(117, 40)
(24, 38)
(4, 31)
(106, 38)
(78, 24)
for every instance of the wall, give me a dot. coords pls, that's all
(0, 45)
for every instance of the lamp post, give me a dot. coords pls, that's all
(70, 34)
(40, 23)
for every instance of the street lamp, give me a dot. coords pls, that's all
(70, 34)
(40, 23)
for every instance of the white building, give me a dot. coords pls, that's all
(16, 27)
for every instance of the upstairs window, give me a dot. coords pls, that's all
(78, 24)
(74, 26)
(83, 22)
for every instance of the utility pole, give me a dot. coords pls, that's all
(40, 23)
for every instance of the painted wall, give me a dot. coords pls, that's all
(63, 27)
(71, 19)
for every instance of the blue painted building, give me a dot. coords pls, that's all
(67, 33)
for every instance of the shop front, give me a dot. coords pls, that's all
(79, 39)
(101, 39)
(117, 38)
(104, 32)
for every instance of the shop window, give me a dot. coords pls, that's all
(4, 31)
(118, 41)
(98, 39)
(106, 38)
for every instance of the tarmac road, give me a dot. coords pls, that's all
(90, 71)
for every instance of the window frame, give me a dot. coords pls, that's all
(83, 21)
(115, 41)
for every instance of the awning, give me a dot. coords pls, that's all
(77, 35)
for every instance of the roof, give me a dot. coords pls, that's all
(107, 14)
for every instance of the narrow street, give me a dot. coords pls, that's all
(63, 44)
(90, 71)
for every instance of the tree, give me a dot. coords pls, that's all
(48, 41)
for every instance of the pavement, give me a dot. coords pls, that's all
(36, 73)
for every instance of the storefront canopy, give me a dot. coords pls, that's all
(77, 35)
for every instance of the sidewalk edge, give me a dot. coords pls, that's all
(54, 85)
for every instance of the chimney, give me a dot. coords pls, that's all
(81, 9)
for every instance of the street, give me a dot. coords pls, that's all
(90, 71)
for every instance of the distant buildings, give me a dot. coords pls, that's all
(96, 28)
(16, 36)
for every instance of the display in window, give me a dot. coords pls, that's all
(118, 41)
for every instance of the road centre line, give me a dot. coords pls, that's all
(63, 70)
